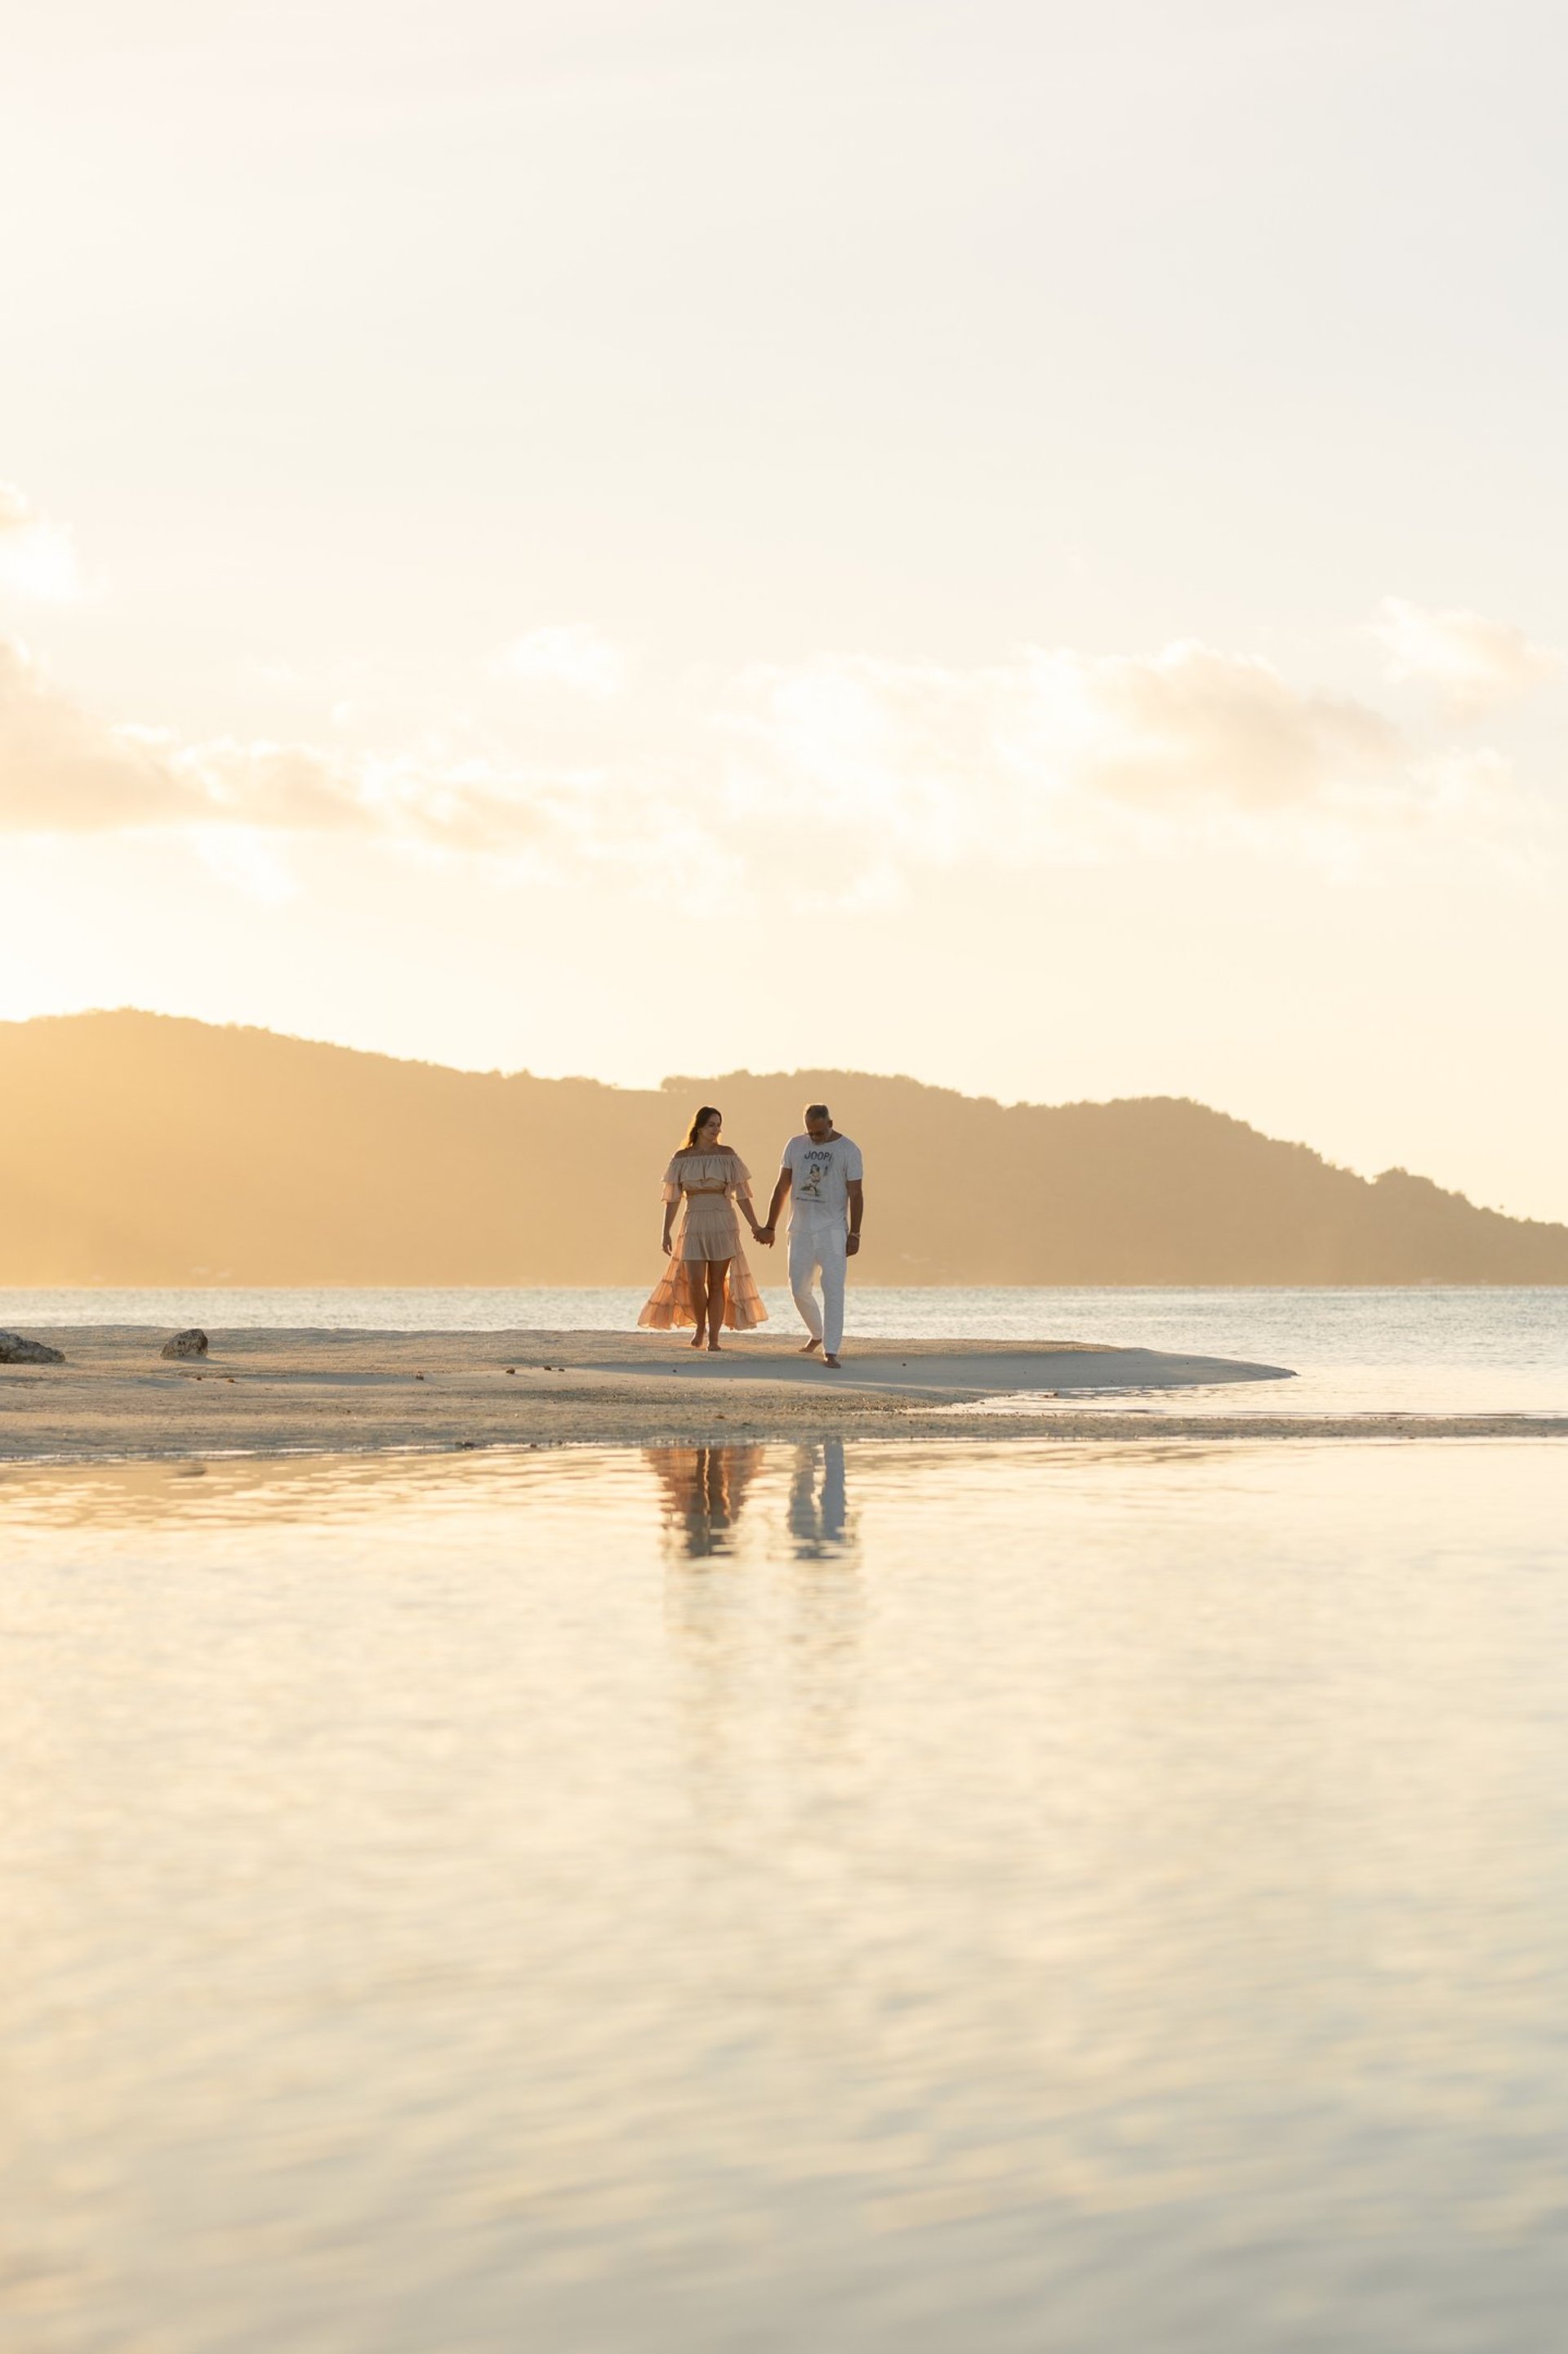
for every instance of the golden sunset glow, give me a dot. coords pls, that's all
(784, 1195)
(1024, 539)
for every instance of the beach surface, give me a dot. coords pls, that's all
(274, 1393)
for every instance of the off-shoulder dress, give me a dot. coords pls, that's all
(708, 1185)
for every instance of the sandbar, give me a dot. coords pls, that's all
(287, 1393)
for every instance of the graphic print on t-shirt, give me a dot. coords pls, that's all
(816, 1163)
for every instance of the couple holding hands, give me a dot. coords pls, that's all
(707, 1281)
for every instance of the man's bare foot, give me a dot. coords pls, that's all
(810, 1346)
(831, 1361)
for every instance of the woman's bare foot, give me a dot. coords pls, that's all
(715, 1349)
(697, 1342)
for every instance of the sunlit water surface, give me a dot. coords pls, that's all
(891, 1897)
(1487, 1349)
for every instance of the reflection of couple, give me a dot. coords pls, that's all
(705, 1488)
(707, 1184)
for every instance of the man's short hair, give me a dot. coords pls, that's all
(817, 1111)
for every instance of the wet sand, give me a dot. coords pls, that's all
(278, 1393)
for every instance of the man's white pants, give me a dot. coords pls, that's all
(817, 1248)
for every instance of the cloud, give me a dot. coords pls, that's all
(62, 771)
(836, 777)
(1191, 726)
(38, 560)
(569, 655)
(938, 757)
(1471, 663)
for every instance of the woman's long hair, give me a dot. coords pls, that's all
(704, 1113)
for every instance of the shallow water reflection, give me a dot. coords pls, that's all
(704, 1491)
(819, 1500)
(880, 1897)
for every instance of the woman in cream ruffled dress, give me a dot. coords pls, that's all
(707, 1281)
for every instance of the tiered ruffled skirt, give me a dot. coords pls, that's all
(709, 1230)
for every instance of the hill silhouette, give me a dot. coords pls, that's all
(142, 1149)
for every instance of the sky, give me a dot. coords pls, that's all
(1015, 543)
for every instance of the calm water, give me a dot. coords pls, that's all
(880, 1898)
(1486, 1350)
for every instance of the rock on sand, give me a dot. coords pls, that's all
(15, 1351)
(185, 1345)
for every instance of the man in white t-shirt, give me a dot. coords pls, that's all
(821, 1172)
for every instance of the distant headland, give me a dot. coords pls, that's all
(143, 1149)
